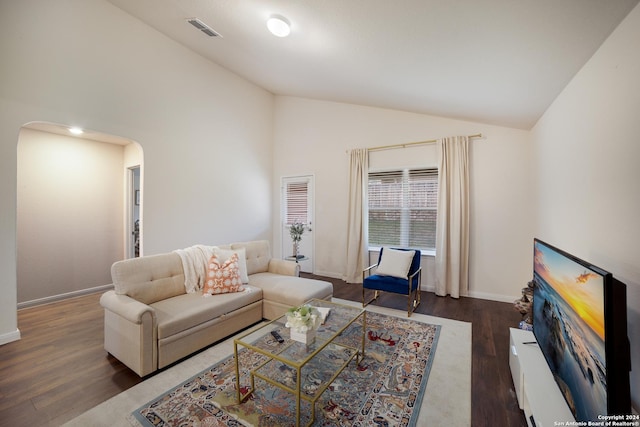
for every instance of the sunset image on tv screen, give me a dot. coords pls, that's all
(569, 326)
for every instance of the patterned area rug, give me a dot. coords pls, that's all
(385, 389)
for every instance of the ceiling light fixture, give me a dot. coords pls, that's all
(279, 26)
(76, 131)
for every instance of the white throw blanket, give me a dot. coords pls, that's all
(194, 263)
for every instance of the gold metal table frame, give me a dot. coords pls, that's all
(341, 316)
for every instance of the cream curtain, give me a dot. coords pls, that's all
(357, 252)
(452, 230)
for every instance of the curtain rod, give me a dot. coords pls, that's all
(409, 144)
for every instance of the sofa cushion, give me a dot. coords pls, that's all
(150, 278)
(224, 254)
(188, 310)
(395, 262)
(258, 255)
(290, 290)
(222, 277)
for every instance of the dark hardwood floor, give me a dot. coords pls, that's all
(59, 368)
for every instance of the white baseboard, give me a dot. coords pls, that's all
(60, 297)
(427, 288)
(10, 337)
(493, 297)
(478, 295)
(431, 288)
(328, 274)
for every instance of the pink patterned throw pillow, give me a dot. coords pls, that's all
(222, 279)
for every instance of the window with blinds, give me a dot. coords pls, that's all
(403, 208)
(297, 202)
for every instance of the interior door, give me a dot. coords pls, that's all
(297, 206)
(134, 200)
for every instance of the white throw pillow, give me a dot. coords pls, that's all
(224, 254)
(395, 263)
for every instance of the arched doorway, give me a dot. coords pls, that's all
(72, 204)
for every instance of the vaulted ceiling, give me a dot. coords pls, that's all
(499, 62)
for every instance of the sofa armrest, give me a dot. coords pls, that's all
(126, 307)
(130, 332)
(284, 267)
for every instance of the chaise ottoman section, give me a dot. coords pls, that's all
(280, 293)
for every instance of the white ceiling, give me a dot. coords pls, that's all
(499, 62)
(87, 134)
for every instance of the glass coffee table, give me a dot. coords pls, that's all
(304, 370)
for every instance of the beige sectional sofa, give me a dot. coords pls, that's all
(151, 320)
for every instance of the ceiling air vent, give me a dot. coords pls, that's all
(203, 27)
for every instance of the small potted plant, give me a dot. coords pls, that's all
(302, 322)
(295, 231)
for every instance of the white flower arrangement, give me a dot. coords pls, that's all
(303, 318)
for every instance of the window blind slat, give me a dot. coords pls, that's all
(296, 199)
(403, 208)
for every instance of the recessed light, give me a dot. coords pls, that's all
(76, 131)
(279, 26)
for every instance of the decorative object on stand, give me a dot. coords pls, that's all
(524, 306)
(302, 322)
(295, 231)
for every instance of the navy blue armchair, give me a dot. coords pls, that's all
(397, 273)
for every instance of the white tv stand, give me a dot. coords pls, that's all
(538, 394)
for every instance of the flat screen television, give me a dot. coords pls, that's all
(580, 324)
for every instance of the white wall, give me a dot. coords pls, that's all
(587, 175)
(206, 133)
(69, 213)
(311, 137)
